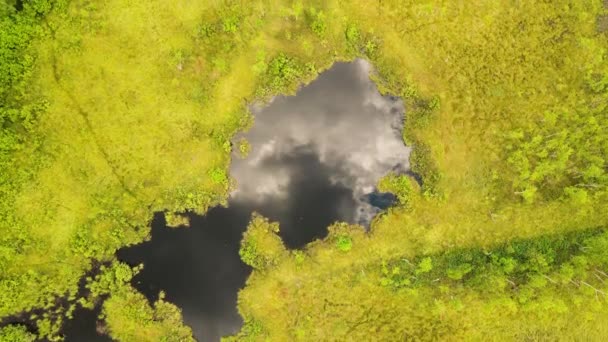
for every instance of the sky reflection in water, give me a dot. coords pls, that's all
(315, 159)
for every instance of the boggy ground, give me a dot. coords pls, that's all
(120, 117)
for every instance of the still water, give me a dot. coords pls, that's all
(315, 159)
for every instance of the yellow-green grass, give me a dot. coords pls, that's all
(142, 106)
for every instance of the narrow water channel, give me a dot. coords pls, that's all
(315, 159)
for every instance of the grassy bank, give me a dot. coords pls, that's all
(115, 110)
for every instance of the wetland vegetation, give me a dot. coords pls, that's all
(111, 111)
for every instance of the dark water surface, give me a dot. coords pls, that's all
(84, 326)
(315, 159)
